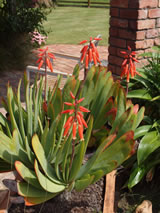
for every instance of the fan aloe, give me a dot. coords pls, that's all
(32, 141)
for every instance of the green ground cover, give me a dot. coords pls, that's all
(70, 25)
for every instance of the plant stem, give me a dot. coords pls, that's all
(82, 84)
(72, 156)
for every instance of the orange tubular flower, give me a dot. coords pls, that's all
(128, 67)
(89, 53)
(76, 120)
(45, 57)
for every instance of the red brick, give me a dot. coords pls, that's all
(158, 22)
(117, 22)
(128, 13)
(131, 44)
(112, 50)
(117, 42)
(115, 60)
(111, 68)
(148, 3)
(113, 31)
(114, 12)
(127, 34)
(144, 44)
(119, 3)
(118, 70)
(146, 24)
(134, 4)
(140, 35)
(154, 13)
(142, 14)
(151, 33)
(133, 24)
(133, 14)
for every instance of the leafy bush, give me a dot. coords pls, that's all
(18, 18)
(33, 141)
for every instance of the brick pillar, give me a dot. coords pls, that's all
(135, 23)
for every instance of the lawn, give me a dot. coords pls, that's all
(70, 25)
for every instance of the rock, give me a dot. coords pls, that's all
(144, 207)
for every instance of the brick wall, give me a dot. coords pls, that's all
(135, 23)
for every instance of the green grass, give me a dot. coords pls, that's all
(70, 25)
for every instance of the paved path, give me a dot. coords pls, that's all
(60, 64)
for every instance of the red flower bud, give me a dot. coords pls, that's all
(83, 109)
(80, 131)
(74, 130)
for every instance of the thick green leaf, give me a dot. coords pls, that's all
(27, 174)
(136, 176)
(30, 201)
(47, 184)
(149, 143)
(83, 183)
(27, 190)
(115, 154)
(139, 93)
(141, 131)
(40, 154)
(90, 163)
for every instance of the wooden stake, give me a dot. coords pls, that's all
(109, 192)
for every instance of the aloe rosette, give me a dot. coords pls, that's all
(33, 140)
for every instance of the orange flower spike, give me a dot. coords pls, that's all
(87, 61)
(94, 59)
(83, 42)
(126, 69)
(80, 131)
(48, 63)
(90, 54)
(40, 64)
(51, 67)
(68, 103)
(74, 130)
(72, 96)
(68, 111)
(51, 56)
(67, 130)
(84, 48)
(80, 100)
(96, 52)
(79, 119)
(84, 122)
(83, 109)
(124, 62)
(131, 68)
(69, 121)
(97, 39)
(38, 60)
(83, 55)
(80, 114)
(93, 46)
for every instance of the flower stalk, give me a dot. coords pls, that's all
(128, 66)
(75, 122)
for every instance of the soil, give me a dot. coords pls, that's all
(89, 200)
